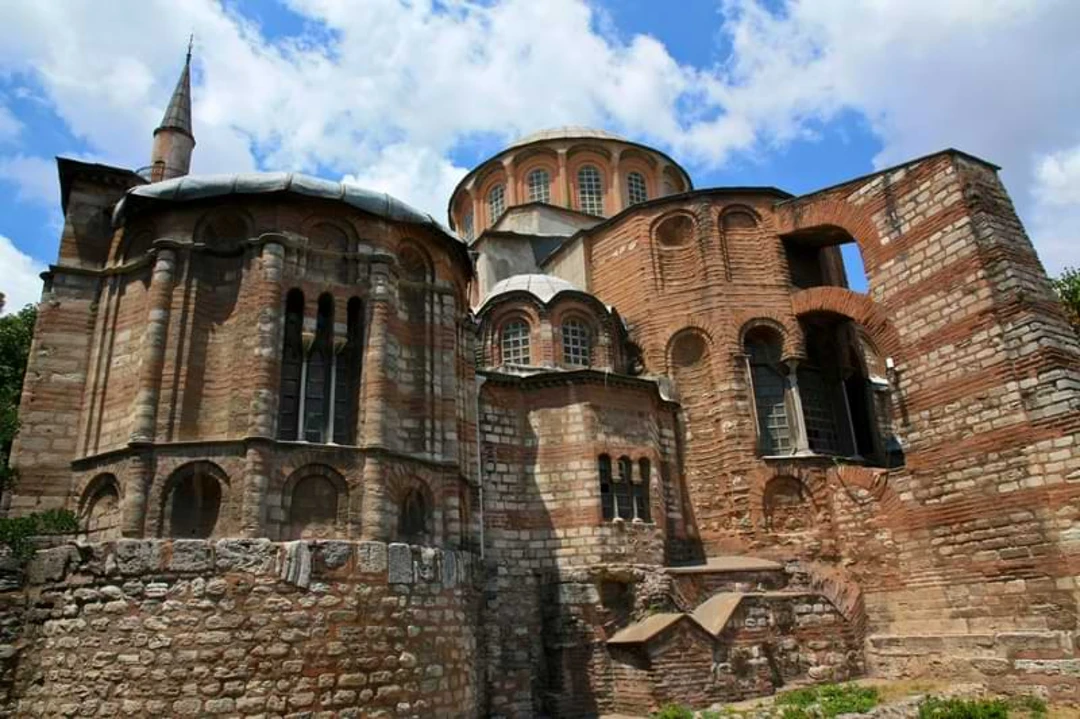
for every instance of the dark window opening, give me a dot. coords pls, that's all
(607, 495)
(763, 348)
(641, 492)
(195, 502)
(347, 375)
(624, 505)
(292, 360)
(412, 519)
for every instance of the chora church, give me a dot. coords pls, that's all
(597, 441)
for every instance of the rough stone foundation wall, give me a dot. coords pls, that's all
(156, 628)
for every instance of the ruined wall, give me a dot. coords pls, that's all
(243, 627)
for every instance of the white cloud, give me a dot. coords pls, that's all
(20, 283)
(10, 127)
(34, 177)
(1056, 212)
(381, 91)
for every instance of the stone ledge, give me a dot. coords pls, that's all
(298, 562)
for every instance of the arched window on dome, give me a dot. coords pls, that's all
(636, 190)
(496, 203)
(763, 351)
(467, 227)
(590, 191)
(514, 343)
(539, 182)
(576, 343)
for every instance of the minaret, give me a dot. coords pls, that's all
(173, 139)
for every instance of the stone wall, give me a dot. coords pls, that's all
(243, 628)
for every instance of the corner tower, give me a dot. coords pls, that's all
(173, 139)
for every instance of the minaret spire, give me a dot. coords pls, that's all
(173, 138)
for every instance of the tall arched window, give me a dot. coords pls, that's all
(590, 191)
(624, 503)
(515, 343)
(412, 517)
(641, 492)
(763, 350)
(192, 502)
(496, 203)
(576, 343)
(821, 390)
(319, 375)
(607, 492)
(347, 375)
(292, 362)
(539, 182)
(636, 190)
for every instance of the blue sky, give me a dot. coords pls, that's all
(798, 94)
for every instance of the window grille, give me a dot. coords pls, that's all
(539, 182)
(641, 492)
(819, 411)
(636, 191)
(577, 345)
(590, 191)
(496, 203)
(624, 504)
(515, 343)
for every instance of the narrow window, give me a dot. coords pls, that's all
(292, 360)
(774, 427)
(496, 203)
(347, 375)
(636, 191)
(624, 502)
(577, 344)
(590, 191)
(319, 378)
(515, 343)
(641, 492)
(412, 517)
(607, 494)
(539, 182)
(467, 226)
(822, 392)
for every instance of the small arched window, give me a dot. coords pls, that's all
(576, 343)
(193, 503)
(607, 492)
(292, 362)
(467, 226)
(539, 182)
(624, 503)
(590, 191)
(515, 343)
(763, 350)
(636, 191)
(496, 203)
(641, 492)
(412, 517)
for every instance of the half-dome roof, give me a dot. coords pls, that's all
(198, 187)
(567, 132)
(542, 287)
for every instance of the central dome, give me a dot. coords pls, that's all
(567, 132)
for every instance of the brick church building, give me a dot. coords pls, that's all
(601, 442)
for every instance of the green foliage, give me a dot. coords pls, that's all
(827, 700)
(16, 330)
(673, 711)
(1067, 287)
(16, 532)
(1033, 706)
(955, 708)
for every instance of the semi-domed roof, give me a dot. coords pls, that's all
(542, 287)
(567, 132)
(198, 187)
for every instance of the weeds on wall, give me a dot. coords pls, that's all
(17, 533)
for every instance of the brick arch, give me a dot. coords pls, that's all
(678, 335)
(99, 507)
(196, 469)
(874, 481)
(812, 478)
(322, 473)
(835, 211)
(855, 306)
(790, 333)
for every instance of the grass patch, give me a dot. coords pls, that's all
(673, 711)
(827, 700)
(955, 708)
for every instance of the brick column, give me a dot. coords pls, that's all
(375, 525)
(563, 181)
(265, 369)
(133, 508)
(511, 182)
(616, 204)
(799, 439)
(144, 413)
(376, 379)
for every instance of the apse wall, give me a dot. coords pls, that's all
(243, 628)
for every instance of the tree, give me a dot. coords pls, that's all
(16, 331)
(1067, 287)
